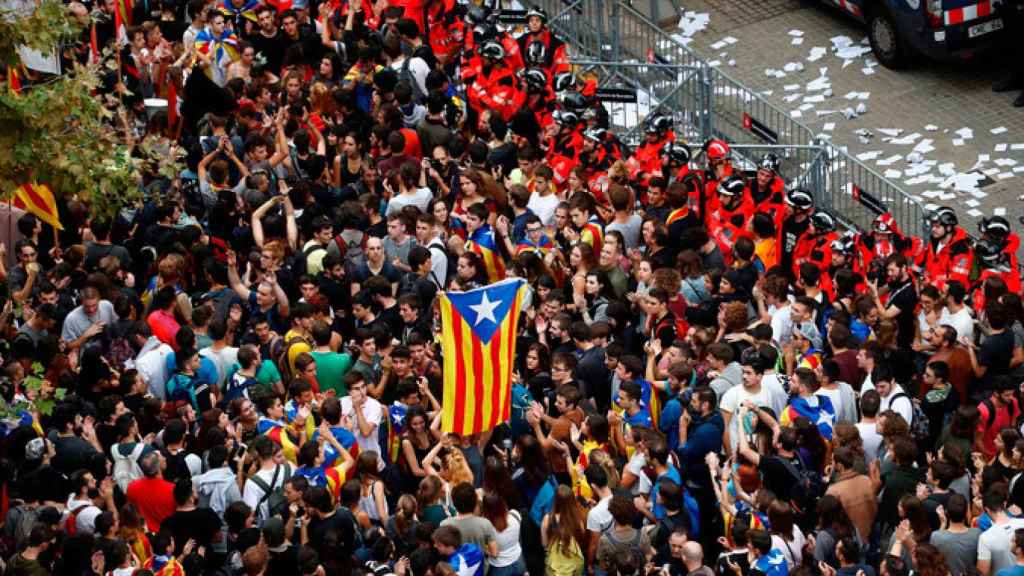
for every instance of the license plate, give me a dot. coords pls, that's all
(985, 28)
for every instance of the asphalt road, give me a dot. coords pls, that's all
(933, 100)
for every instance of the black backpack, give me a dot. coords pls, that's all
(277, 504)
(298, 264)
(805, 492)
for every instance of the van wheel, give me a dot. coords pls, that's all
(889, 47)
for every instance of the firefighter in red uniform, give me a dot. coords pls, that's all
(675, 157)
(799, 206)
(495, 87)
(948, 255)
(884, 240)
(646, 161)
(477, 25)
(995, 263)
(768, 190)
(555, 58)
(997, 230)
(844, 257)
(815, 246)
(565, 147)
(729, 220)
(537, 96)
(719, 158)
(444, 30)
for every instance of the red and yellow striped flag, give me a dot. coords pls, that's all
(39, 200)
(13, 80)
(478, 342)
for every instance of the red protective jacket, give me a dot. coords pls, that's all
(557, 60)
(444, 29)
(951, 261)
(494, 88)
(814, 249)
(647, 158)
(726, 226)
(563, 155)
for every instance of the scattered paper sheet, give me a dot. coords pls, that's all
(817, 98)
(796, 41)
(1005, 162)
(908, 139)
(958, 141)
(868, 156)
(729, 40)
(1000, 211)
(817, 53)
(891, 132)
(796, 114)
(793, 67)
(829, 126)
(999, 130)
(891, 160)
(971, 203)
(1019, 146)
(797, 33)
(791, 87)
(868, 71)
(965, 133)
(1001, 147)
(1005, 175)
(974, 212)
(893, 174)
(924, 146)
(931, 127)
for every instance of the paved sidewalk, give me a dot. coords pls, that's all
(948, 96)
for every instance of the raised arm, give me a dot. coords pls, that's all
(233, 280)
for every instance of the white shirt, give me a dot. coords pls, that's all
(962, 321)
(995, 544)
(782, 325)
(731, 402)
(599, 518)
(509, 549)
(373, 413)
(904, 406)
(543, 207)
(636, 465)
(777, 396)
(85, 520)
(252, 494)
(223, 359)
(152, 365)
(871, 439)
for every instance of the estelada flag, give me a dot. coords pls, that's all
(478, 342)
(39, 200)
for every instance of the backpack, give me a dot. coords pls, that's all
(277, 504)
(177, 467)
(805, 492)
(126, 468)
(71, 523)
(352, 253)
(298, 265)
(679, 325)
(920, 428)
(449, 269)
(406, 74)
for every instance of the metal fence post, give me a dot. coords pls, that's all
(707, 102)
(614, 29)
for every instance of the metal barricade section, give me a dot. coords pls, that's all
(623, 48)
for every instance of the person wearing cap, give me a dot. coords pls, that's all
(719, 167)
(948, 255)
(883, 240)
(768, 186)
(727, 222)
(996, 230)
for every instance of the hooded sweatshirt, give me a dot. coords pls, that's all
(217, 489)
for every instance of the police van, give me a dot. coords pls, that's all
(939, 29)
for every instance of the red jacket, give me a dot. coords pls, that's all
(494, 89)
(444, 28)
(557, 59)
(563, 155)
(951, 261)
(814, 249)
(727, 226)
(647, 158)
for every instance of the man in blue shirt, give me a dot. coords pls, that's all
(465, 559)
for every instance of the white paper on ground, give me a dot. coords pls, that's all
(893, 174)
(791, 87)
(924, 146)
(805, 107)
(978, 194)
(792, 97)
(931, 127)
(1018, 168)
(1005, 175)
(1019, 146)
(868, 71)
(975, 213)
(1000, 211)
(908, 139)
(817, 53)
(795, 32)
(990, 171)
(971, 203)
(947, 169)
(965, 133)
(841, 41)
(829, 126)
(983, 158)
(793, 67)
(1000, 147)
(817, 98)
(891, 132)
(890, 160)
(866, 156)
(729, 40)
(796, 41)
(719, 45)
(796, 114)
(958, 141)
(998, 130)
(1005, 162)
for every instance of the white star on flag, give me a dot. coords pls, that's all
(485, 309)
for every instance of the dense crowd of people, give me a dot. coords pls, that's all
(240, 374)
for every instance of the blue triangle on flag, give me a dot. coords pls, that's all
(485, 309)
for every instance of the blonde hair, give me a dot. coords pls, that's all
(457, 467)
(604, 460)
(171, 267)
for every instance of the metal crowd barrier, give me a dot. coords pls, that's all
(625, 49)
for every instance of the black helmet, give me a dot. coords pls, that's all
(988, 251)
(536, 79)
(574, 101)
(565, 118)
(676, 152)
(823, 222)
(945, 216)
(800, 199)
(564, 81)
(492, 50)
(770, 162)
(536, 53)
(539, 13)
(595, 134)
(996, 227)
(477, 15)
(731, 186)
(659, 123)
(845, 244)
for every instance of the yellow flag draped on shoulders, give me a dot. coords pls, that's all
(478, 344)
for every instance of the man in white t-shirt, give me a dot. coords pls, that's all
(956, 313)
(270, 474)
(599, 519)
(363, 414)
(868, 427)
(750, 391)
(891, 394)
(543, 199)
(995, 546)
